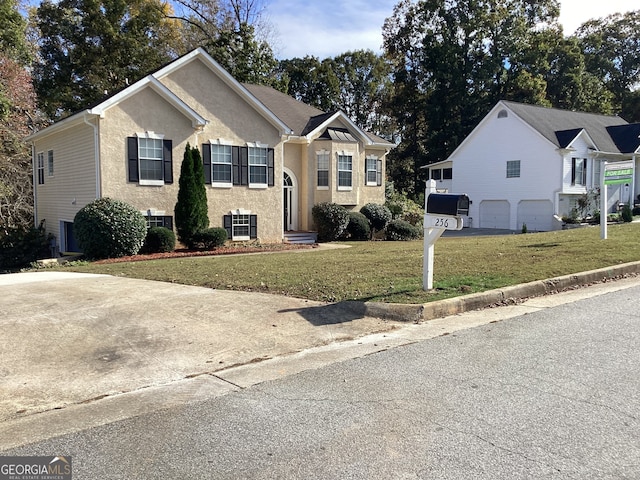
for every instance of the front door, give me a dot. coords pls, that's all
(290, 203)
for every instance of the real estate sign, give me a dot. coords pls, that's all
(618, 172)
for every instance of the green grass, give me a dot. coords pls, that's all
(392, 271)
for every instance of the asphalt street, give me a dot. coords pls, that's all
(551, 394)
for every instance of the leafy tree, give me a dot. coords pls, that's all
(236, 35)
(311, 81)
(612, 51)
(191, 208)
(89, 49)
(450, 62)
(17, 116)
(13, 42)
(363, 78)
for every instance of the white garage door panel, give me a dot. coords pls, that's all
(494, 214)
(536, 214)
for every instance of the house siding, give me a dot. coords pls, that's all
(73, 184)
(479, 166)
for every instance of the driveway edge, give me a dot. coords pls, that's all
(500, 296)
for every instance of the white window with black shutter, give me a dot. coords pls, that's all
(373, 171)
(150, 159)
(241, 225)
(157, 218)
(226, 165)
(40, 168)
(217, 156)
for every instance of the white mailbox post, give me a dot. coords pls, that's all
(442, 211)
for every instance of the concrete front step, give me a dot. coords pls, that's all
(301, 237)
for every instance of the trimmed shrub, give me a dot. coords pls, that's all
(358, 227)
(635, 211)
(21, 246)
(378, 216)
(626, 214)
(107, 228)
(331, 220)
(209, 239)
(401, 230)
(403, 208)
(159, 240)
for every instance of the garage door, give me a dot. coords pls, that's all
(494, 214)
(536, 214)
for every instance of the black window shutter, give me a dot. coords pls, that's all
(167, 222)
(573, 171)
(226, 222)
(235, 160)
(244, 166)
(253, 226)
(379, 173)
(132, 159)
(270, 167)
(167, 155)
(206, 162)
(584, 172)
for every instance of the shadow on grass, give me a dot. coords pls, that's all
(332, 314)
(543, 245)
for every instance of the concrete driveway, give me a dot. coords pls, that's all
(70, 339)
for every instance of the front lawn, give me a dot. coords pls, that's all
(392, 271)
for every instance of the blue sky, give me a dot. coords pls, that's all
(326, 28)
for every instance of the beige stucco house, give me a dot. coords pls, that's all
(268, 158)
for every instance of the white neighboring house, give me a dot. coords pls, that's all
(526, 164)
(442, 173)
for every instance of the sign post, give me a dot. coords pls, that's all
(613, 173)
(442, 212)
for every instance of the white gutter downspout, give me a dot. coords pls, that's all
(96, 148)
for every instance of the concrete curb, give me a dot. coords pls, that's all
(478, 301)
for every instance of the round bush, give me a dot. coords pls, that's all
(159, 240)
(378, 216)
(358, 227)
(209, 239)
(331, 220)
(402, 230)
(107, 228)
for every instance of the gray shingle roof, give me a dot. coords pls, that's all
(294, 114)
(557, 125)
(298, 116)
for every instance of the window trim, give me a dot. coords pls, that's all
(40, 167)
(50, 163)
(221, 143)
(264, 148)
(228, 222)
(344, 187)
(376, 165)
(511, 173)
(325, 154)
(582, 181)
(150, 136)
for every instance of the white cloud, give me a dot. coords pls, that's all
(574, 13)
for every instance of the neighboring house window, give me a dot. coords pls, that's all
(447, 173)
(258, 166)
(345, 172)
(578, 171)
(150, 159)
(597, 171)
(373, 172)
(241, 225)
(50, 163)
(40, 168)
(513, 168)
(322, 166)
(436, 174)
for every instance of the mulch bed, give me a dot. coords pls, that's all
(226, 250)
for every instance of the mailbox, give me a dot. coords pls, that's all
(448, 204)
